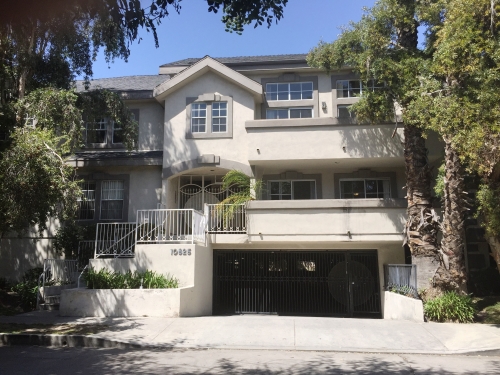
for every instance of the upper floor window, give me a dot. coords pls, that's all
(198, 117)
(289, 91)
(280, 113)
(95, 132)
(365, 188)
(354, 88)
(292, 189)
(343, 111)
(219, 117)
(106, 133)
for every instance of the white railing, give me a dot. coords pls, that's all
(170, 226)
(225, 218)
(56, 272)
(86, 251)
(115, 239)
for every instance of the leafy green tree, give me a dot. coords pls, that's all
(458, 98)
(383, 47)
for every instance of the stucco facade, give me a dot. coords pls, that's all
(314, 166)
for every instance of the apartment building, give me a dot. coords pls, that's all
(313, 242)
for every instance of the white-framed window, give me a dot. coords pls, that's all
(281, 113)
(289, 91)
(364, 188)
(112, 195)
(95, 132)
(354, 88)
(86, 202)
(292, 189)
(343, 111)
(117, 133)
(219, 117)
(198, 117)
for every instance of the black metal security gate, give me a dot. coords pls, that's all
(296, 283)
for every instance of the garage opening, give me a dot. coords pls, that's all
(315, 283)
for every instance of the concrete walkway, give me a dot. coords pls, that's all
(287, 333)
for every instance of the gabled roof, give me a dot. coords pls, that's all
(133, 87)
(242, 60)
(201, 67)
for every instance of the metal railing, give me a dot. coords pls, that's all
(226, 218)
(170, 226)
(86, 251)
(401, 278)
(115, 239)
(56, 272)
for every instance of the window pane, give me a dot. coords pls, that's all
(286, 187)
(301, 113)
(343, 112)
(304, 189)
(112, 200)
(354, 88)
(276, 113)
(352, 189)
(86, 202)
(342, 89)
(117, 133)
(275, 187)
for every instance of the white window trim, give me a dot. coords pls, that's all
(219, 117)
(205, 117)
(290, 92)
(361, 88)
(288, 109)
(389, 193)
(291, 187)
(208, 100)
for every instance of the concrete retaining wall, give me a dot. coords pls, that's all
(121, 302)
(399, 307)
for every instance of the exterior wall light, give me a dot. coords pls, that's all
(323, 105)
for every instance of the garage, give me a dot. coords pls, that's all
(286, 282)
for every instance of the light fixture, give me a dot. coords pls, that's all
(343, 148)
(323, 105)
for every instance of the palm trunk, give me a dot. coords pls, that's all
(422, 223)
(452, 274)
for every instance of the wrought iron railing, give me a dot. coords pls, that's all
(401, 278)
(170, 226)
(115, 239)
(86, 251)
(56, 272)
(226, 218)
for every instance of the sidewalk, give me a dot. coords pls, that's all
(286, 333)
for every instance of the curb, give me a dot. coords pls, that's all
(69, 341)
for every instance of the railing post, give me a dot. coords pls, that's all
(192, 226)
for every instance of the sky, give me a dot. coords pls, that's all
(195, 33)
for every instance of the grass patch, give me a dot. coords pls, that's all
(52, 329)
(488, 309)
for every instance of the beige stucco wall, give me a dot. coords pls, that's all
(150, 123)
(177, 148)
(21, 253)
(145, 189)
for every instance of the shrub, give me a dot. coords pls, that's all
(105, 279)
(27, 289)
(451, 307)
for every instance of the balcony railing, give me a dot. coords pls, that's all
(115, 239)
(170, 226)
(401, 278)
(226, 218)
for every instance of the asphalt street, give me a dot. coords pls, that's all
(22, 360)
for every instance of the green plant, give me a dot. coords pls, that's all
(404, 290)
(451, 307)
(105, 279)
(27, 289)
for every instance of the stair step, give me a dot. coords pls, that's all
(49, 306)
(53, 299)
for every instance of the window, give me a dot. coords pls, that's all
(219, 117)
(354, 88)
(105, 133)
(103, 199)
(198, 117)
(292, 189)
(365, 188)
(343, 111)
(86, 203)
(209, 116)
(111, 200)
(95, 132)
(289, 113)
(289, 91)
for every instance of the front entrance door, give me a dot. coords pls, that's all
(296, 282)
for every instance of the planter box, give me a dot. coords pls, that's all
(54, 290)
(120, 302)
(399, 307)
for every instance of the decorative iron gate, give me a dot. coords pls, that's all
(296, 283)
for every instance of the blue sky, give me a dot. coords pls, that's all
(195, 33)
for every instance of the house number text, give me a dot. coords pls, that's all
(180, 252)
